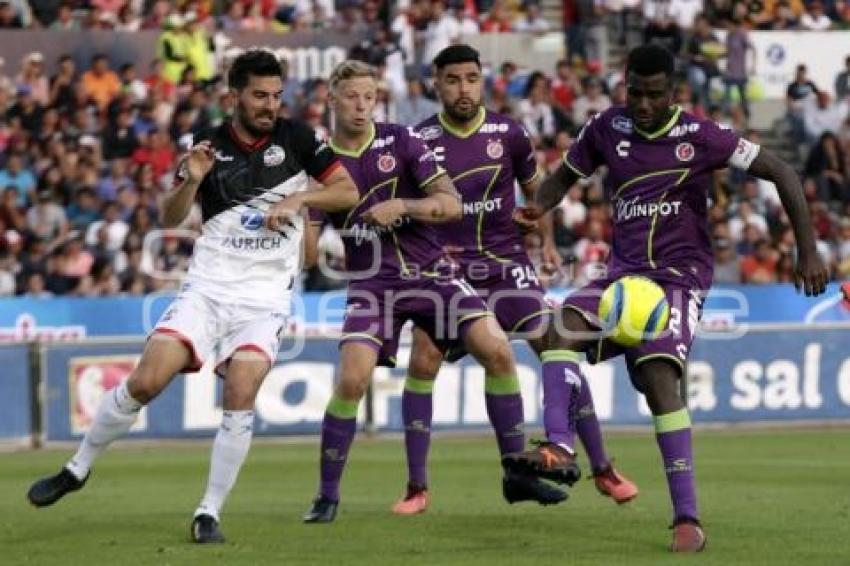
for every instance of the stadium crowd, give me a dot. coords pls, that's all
(85, 153)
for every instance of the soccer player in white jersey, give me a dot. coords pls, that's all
(234, 303)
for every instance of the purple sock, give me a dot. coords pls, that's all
(416, 412)
(560, 380)
(337, 435)
(504, 407)
(673, 433)
(588, 429)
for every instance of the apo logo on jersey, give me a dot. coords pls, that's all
(495, 149)
(429, 133)
(274, 156)
(252, 219)
(386, 163)
(685, 151)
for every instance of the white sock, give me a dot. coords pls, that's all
(115, 415)
(229, 451)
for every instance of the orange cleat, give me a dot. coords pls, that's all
(611, 483)
(415, 502)
(688, 536)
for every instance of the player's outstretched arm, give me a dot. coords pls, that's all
(811, 276)
(551, 258)
(336, 194)
(190, 173)
(554, 187)
(441, 204)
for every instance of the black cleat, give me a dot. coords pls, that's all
(322, 511)
(518, 487)
(205, 530)
(48, 491)
(546, 460)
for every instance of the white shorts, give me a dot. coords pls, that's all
(209, 327)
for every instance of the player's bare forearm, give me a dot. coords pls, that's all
(554, 187)
(544, 223)
(441, 205)
(311, 243)
(337, 193)
(769, 167)
(177, 203)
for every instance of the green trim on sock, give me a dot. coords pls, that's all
(671, 422)
(342, 409)
(560, 356)
(422, 386)
(498, 385)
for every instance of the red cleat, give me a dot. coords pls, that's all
(611, 483)
(688, 536)
(415, 502)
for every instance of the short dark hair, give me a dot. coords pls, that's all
(254, 62)
(99, 57)
(455, 54)
(651, 59)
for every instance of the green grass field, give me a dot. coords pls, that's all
(768, 497)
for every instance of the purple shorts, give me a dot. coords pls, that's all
(515, 297)
(442, 307)
(674, 344)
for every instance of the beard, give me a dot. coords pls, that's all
(455, 113)
(245, 119)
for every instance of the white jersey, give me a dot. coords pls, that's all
(237, 258)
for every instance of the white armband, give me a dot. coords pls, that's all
(744, 154)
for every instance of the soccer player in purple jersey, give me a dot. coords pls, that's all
(486, 154)
(660, 161)
(392, 258)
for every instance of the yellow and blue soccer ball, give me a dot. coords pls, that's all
(633, 310)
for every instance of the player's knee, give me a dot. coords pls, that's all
(658, 380)
(499, 358)
(144, 384)
(425, 365)
(351, 387)
(239, 397)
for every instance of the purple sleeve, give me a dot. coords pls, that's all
(316, 216)
(420, 159)
(522, 155)
(584, 156)
(718, 144)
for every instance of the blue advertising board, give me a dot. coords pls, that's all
(764, 375)
(15, 393)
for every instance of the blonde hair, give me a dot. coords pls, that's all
(351, 69)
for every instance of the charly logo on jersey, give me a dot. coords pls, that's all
(626, 209)
(219, 156)
(622, 124)
(685, 151)
(429, 133)
(386, 163)
(495, 149)
(252, 219)
(274, 156)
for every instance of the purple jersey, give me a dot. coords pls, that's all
(484, 163)
(393, 163)
(658, 184)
